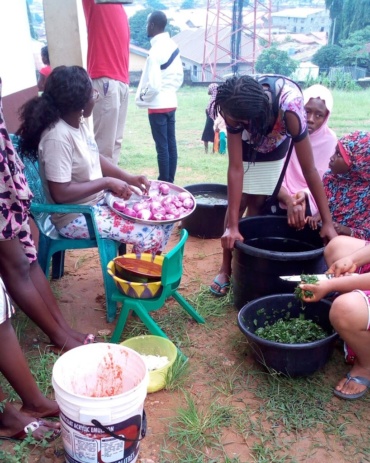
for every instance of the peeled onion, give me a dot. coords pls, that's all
(163, 204)
(183, 195)
(188, 203)
(164, 188)
(167, 200)
(177, 203)
(154, 205)
(120, 206)
(144, 214)
(139, 206)
(129, 211)
(158, 216)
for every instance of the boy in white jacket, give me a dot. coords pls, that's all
(162, 76)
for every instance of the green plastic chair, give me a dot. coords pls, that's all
(52, 245)
(172, 269)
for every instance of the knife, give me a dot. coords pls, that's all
(320, 277)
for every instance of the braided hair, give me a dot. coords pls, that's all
(243, 98)
(67, 89)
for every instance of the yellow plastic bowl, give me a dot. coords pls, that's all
(136, 289)
(154, 345)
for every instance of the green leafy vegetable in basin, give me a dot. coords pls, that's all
(292, 331)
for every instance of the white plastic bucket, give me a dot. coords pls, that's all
(107, 383)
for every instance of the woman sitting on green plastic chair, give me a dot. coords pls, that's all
(71, 168)
(20, 271)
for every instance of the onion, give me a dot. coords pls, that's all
(144, 214)
(159, 210)
(129, 211)
(167, 200)
(176, 213)
(188, 203)
(140, 205)
(119, 206)
(169, 208)
(164, 188)
(154, 205)
(183, 195)
(158, 216)
(170, 217)
(177, 203)
(155, 198)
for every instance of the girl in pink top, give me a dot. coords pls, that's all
(318, 105)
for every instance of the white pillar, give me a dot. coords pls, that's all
(66, 32)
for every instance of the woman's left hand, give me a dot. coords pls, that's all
(328, 232)
(342, 229)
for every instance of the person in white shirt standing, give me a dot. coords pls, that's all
(162, 76)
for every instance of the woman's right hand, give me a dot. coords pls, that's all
(313, 221)
(296, 209)
(118, 187)
(318, 290)
(342, 267)
(229, 237)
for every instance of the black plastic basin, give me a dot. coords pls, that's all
(207, 221)
(270, 249)
(290, 359)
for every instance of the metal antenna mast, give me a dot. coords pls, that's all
(232, 34)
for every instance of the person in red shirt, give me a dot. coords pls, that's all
(108, 36)
(46, 70)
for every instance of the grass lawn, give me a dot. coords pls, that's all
(351, 112)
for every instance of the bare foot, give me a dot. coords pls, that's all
(221, 284)
(13, 423)
(45, 408)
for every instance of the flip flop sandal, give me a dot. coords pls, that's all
(219, 293)
(89, 339)
(32, 427)
(356, 379)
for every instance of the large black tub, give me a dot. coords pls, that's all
(207, 221)
(271, 248)
(290, 359)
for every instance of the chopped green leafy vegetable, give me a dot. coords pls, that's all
(308, 279)
(292, 331)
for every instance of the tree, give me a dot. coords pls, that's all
(347, 16)
(274, 61)
(327, 56)
(156, 5)
(187, 5)
(138, 28)
(354, 51)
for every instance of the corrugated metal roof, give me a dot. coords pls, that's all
(191, 45)
(297, 12)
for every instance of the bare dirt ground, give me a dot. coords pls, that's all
(211, 351)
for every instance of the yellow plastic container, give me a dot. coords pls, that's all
(154, 345)
(136, 289)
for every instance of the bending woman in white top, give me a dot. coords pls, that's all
(71, 167)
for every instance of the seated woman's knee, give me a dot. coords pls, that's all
(348, 311)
